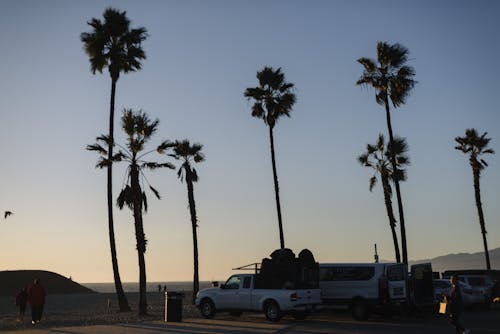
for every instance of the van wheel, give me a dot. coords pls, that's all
(272, 311)
(359, 310)
(207, 308)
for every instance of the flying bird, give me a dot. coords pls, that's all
(7, 213)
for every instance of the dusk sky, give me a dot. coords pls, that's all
(201, 56)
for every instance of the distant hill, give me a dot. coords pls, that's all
(463, 261)
(12, 281)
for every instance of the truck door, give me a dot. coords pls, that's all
(228, 292)
(422, 285)
(396, 281)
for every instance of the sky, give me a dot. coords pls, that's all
(201, 56)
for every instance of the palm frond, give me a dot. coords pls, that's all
(97, 148)
(145, 201)
(373, 182)
(157, 194)
(126, 197)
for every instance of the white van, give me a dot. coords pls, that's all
(363, 287)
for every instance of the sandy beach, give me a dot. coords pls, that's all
(88, 309)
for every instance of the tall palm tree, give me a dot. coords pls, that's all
(392, 80)
(377, 157)
(272, 99)
(112, 44)
(475, 146)
(139, 129)
(188, 154)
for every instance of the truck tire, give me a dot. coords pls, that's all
(272, 311)
(359, 310)
(207, 309)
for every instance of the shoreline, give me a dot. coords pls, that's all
(89, 309)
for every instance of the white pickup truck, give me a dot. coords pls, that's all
(238, 295)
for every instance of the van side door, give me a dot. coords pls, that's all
(396, 280)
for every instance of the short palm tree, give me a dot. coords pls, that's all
(112, 44)
(378, 158)
(476, 146)
(392, 80)
(139, 129)
(188, 154)
(273, 98)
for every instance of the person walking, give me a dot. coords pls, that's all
(456, 306)
(21, 301)
(36, 298)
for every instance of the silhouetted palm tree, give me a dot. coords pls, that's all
(112, 44)
(190, 153)
(273, 98)
(139, 129)
(475, 146)
(393, 80)
(378, 158)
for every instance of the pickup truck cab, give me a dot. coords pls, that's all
(238, 295)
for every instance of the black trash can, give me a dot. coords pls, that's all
(173, 306)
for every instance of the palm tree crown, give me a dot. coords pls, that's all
(390, 77)
(273, 98)
(188, 153)
(476, 146)
(112, 44)
(378, 158)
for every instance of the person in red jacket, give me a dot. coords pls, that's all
(36, 298)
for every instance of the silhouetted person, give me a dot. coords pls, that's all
(21, 301)
(36, 298)
(456, 306)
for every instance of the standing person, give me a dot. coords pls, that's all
(456, 306)
(21, 301)
(36, 298)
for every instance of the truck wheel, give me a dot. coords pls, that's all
(359, 310)
(272, 311)
(207, 308)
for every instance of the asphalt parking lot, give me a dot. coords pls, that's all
(479, 321)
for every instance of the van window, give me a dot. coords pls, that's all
(346, 273)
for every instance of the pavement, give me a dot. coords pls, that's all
(487, 322)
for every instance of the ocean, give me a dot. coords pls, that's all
(150, 286)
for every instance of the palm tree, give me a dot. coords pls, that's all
(114, 45)
(377, 157)
(475, 146)
(272, 99)
(190, 153)
(139, 129)
(393, 80)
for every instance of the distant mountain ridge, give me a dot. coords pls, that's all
(463, 261)
(12, 281)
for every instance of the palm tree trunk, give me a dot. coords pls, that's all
(390, 214)
(276, 188)
(396, 184)
(194, 224)
(140, 238)
(477, 192)
(122, 299)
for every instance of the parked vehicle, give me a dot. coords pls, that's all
(283, 284)
(470, 296)
(238, 295)
(442, 288)
(480, 284)
(363, 287)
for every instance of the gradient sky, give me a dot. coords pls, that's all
(201, 55)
